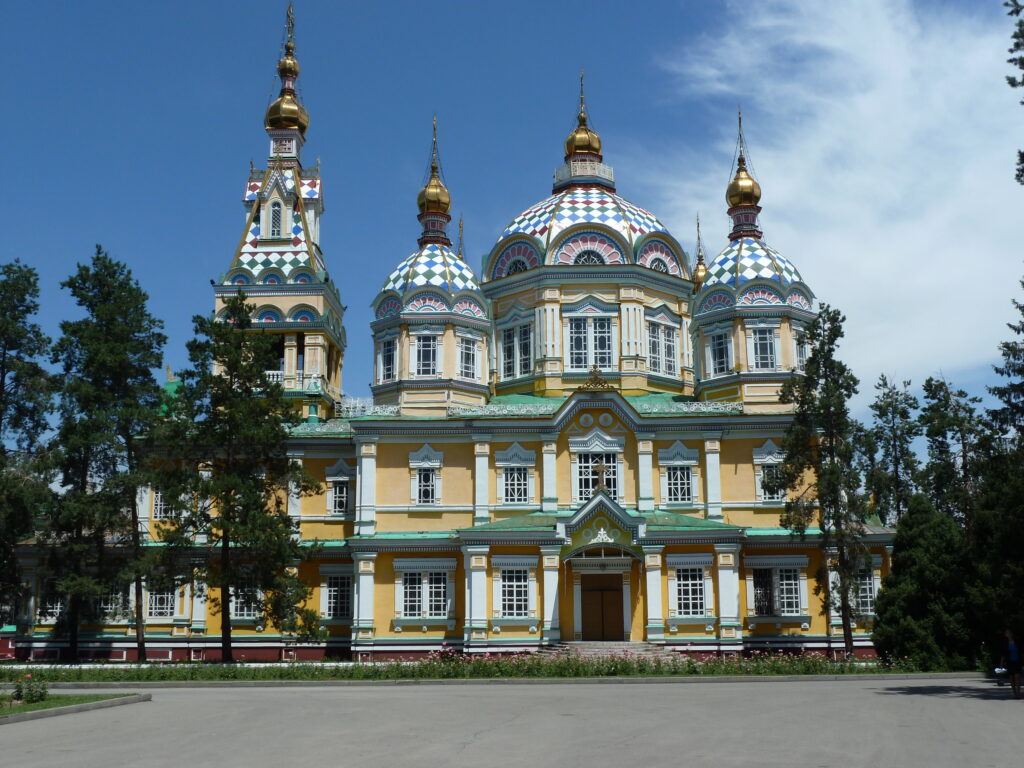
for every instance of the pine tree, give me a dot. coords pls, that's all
(923, 609)
(26, 400)
(1015, 7)
(957, 436)
(229, 426)
(109, 404)
(822, 444)
(1010, 416)
(891, 480)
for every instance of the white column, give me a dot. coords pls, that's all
(475, 566)
(645, 472)
(198, 607)
(627, 607)
(363, 618)
(366, 481)
(551, 632)
(730, 627)
(295, 504)
(549, 479)
(577, 607)
(713, 479)
(655, 618)
(481, 481)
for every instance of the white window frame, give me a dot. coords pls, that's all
(596, 442)
(589, 320)
(515, 457)
(468, 343)
(425, 572)
(278, 207)
(869, 576)
(662, 348)
(161, 603)
(333, 577)
(426, 356)
(678, 455)
(711, 342)
(338, 475)
(702, 562)
(243, 608)
(384, 346)
(789, 595)
(799, 348)
(519, 339)
(500, 566)
(425, 460)
(767, 455)
(755, 360)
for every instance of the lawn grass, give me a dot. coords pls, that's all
(54, 700)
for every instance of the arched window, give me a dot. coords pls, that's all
(275, 219)
(588, 257)
(517, 266)
(240, 280)
(271, 279)
(301, 277)
(659, 265)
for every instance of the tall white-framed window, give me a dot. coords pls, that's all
(866, 590)
(516, 351)
(339, 489)
(515, 592)
(762, 344)
(719, 353)
(516, 475)
(768, 459)
(691, 588)
(590, 469)
(662, 348)
(591, 342)
(469, 357)
(678, 468)
(426, 355)
(339, 596)
(161, 509)
(387, 359)
(113, 605)
(276, 219)
(246, 603)
(799, 346)
(514, 586)
(51, 603)
(776, 585)
(160, 603)
(423, 588)
(425, 476)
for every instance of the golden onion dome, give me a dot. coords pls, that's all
(286, 111)
(582, 139)
(700, 273)
(288, 65)
(743, 189)
(434, 197)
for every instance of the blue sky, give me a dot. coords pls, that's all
(883, 136)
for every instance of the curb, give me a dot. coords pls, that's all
(20, 717)
(521, 681)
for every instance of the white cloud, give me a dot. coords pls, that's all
(883, 135)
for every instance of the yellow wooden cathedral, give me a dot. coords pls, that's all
(567, 443)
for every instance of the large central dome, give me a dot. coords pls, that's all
(581, 205)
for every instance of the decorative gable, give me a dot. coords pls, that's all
(602, 520)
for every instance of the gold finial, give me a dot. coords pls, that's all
(434, 197)
(582, 140)
(460, 236)
(743, 189)
(596, 382)
(286, 111)
(700, 272)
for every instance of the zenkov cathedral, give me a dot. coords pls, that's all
(568, 443)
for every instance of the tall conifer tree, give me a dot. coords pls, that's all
(1015, 9)
(109, 403)
(892, 478)
(229, 427)
(26, 399)
(821, 468)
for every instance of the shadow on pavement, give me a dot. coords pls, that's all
(959, 691)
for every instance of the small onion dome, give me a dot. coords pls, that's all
(700, 273)
(434, 197)
(743, 189)
(582, 139)
(286, 111)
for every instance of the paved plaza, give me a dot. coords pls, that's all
(848, 723)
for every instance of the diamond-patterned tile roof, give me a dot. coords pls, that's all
(584, 204)
(432, 265)
(747, 258)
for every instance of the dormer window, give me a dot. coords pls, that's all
(517, 266)
(588, 257)
(276, 218)
(659, 265)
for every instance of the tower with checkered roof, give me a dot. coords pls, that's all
(431, 327)
(587, 282)
(278, 263)
(750, 307)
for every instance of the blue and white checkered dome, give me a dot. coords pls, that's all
(746, 259)
(583, 204)
(433, 265)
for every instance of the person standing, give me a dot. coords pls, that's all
(1012, 661)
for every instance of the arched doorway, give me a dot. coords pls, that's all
(602, 593)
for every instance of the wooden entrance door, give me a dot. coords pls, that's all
(602, 606)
